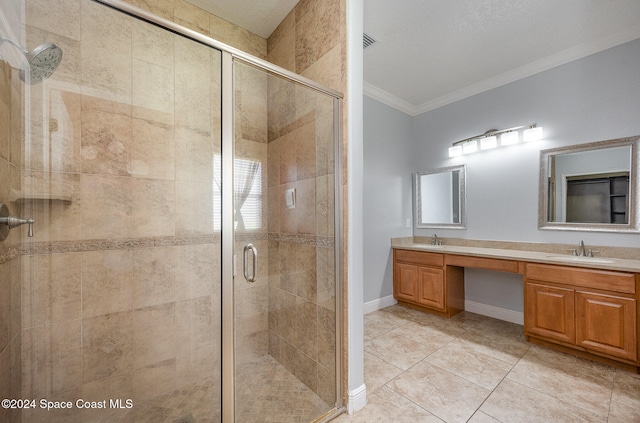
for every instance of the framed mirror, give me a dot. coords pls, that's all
(440, 197)
(590, 187)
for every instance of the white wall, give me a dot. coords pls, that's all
(592, 99)
(387, 192)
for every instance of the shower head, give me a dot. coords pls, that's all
(43, 60)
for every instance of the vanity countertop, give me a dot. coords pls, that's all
(605, 263)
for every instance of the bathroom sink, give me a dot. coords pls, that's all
(582, 259)
(428, 246)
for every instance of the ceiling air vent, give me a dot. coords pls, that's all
(367, 40)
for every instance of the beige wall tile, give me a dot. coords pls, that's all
(106, 282)
(191, 16)
(60, 220)
(61, 17)
(154, 335)
(306, 329)
(197, 271)
(5, 304)
(194, 155)
(54, 288)
(193, 86)
(106, 206)
(154, 274)
(153, 44)
(106, 52)
(154, 380)
(162, 8)
(5, 110)
(107, 346)
(106, 140)
(194, 214)
(153, 207)
(152, 150)
(317, 31)
(283, 38)
(152, 93)
(11, 378)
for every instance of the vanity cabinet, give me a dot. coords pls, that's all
(585, 309)
(419, 280)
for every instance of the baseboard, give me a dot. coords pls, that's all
(507, 315)
(379, 304)
(357, 399)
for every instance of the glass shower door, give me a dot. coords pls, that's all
(122, 277)
(284, 288)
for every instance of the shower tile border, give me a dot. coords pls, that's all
(52, 247)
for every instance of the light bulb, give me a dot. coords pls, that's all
(532, 134)
(455, 151)
(489, 142)
(509, 138)
(470, 147)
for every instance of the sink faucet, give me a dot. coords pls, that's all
(581, 249)
(436, 240)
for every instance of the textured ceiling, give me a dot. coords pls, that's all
(432, 52)
(261, 17)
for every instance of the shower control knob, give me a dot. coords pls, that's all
(9, 221)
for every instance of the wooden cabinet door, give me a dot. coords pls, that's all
(405, 285)
(606, 324)
(549, 312)
(431, 287)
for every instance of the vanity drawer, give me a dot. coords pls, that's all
(420, 257)
(587, 278)
(483, 263)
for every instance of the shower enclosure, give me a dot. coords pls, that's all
(183, 265)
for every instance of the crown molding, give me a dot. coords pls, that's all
(549, 62)
(389, 99)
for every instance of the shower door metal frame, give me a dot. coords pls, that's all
(229, 55)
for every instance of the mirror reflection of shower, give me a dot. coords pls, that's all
(43, 60)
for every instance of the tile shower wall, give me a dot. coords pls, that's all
(10, 259)
(120, 293)
(310, 41)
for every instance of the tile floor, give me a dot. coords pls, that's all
(471, 368)
(266, 393)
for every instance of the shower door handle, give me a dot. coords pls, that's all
(254, 253)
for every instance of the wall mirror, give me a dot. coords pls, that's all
(590, 187)
(439, 197)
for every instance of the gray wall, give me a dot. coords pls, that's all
(592, 99)
(387, 192)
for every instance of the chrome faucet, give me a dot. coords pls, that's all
(436, 240)
(582, 252)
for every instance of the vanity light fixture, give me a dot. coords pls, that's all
(489, 139)
(487, 143)
(509, 138)
(470, 147)
(455, 151)
(532, 134)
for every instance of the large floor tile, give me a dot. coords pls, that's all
(513, 402)
(386, 406)
(397, 349)
(626, 389)
(502, 340)
(583, 383)
(377, 372)
(462, 359)
(449, 397)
